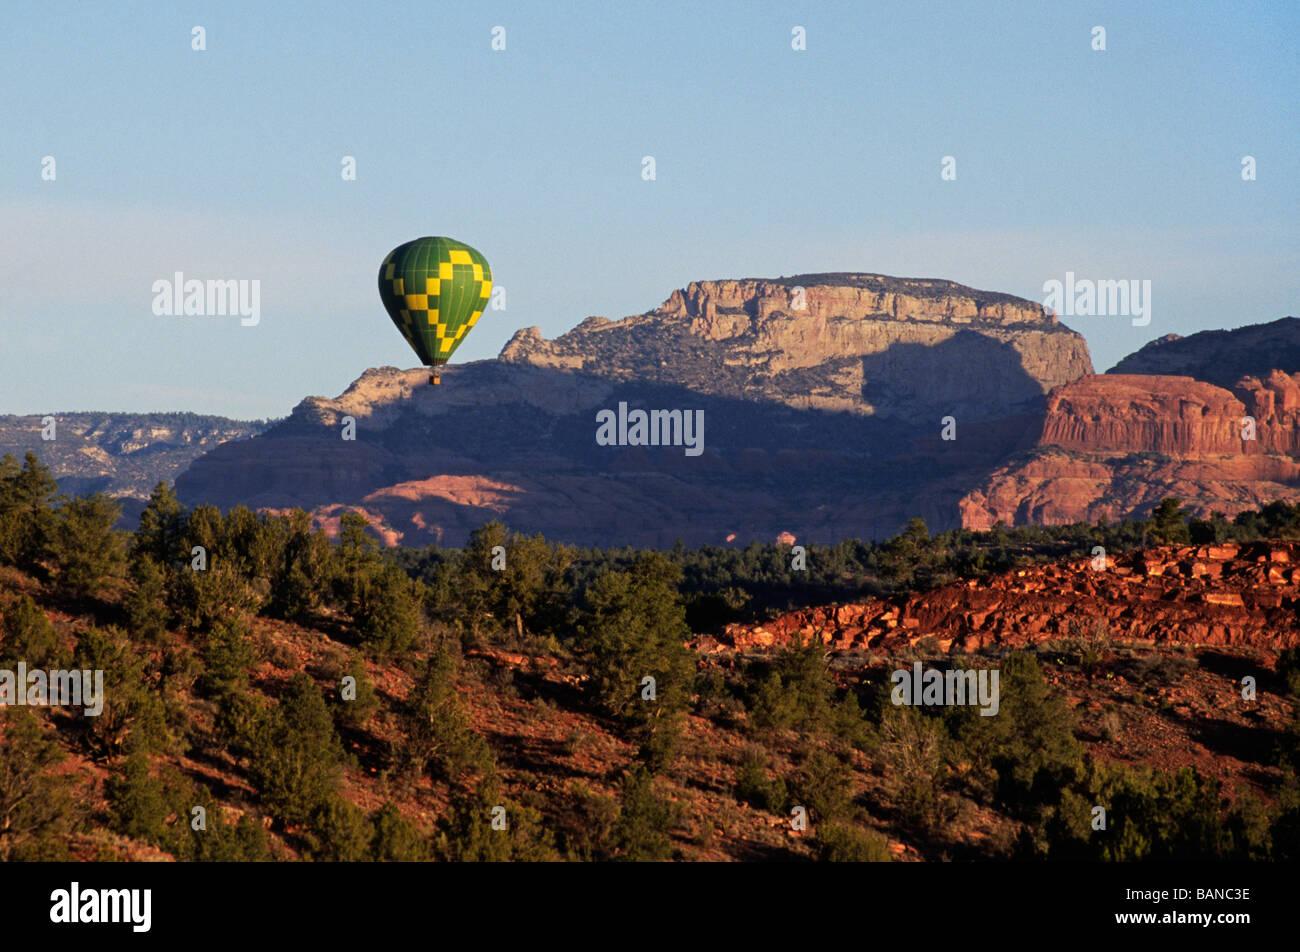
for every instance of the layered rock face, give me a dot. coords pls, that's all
(1175, 416)
(1113, 445)
(1231, 595)
(822, 398)
(864, 343)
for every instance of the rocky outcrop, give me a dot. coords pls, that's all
(1174, 416)
(1054, 487)
(1221, 357)
(863, 343)
(824, 396)
(1231, 595)
(1113, 445)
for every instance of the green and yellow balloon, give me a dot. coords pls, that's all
(435, 290)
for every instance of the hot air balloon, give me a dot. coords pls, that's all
(434, 289)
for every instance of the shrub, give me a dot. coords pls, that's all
(26, 513)
(338, 832)
(849, 843)
(160, 535)
(1025, 754)
(467, 833)
(756, 786)
(35, 804)
(146, 604)
(227, 657)
(797, 692)
(27, 635)
(912, 751)
(297, 756)
(438, 737)
(394, 839)
(387, 611)
(356, 713)
(822, 786)
(137, 803)
(132, 703)
(640, 832)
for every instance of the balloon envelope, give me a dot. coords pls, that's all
(435, 290)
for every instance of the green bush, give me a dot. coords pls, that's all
(36, 806)
(849, 843)
(1024, 755)
(438, 738)
(756, 786)
(633, 626)
(160, 536)
(227, 657)
(27, 635)
(395, 840)
(797, 693)
(147, 614)
(822, 785)
(297, 758)
(467, 833)
(387, 611)
(639, 834)
(26, 511)
(132, 702)
(912, 751)
(338, 832)
(356, 713)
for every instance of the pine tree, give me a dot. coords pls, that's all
(160, 536)
(297, 757)
(438, 738)
(26, 513)
(86, 551)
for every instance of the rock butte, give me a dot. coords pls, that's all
(823, 422)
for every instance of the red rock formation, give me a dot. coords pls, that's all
(1130, 413)
(1174, 416)
(1190, 434)
(1220, 595)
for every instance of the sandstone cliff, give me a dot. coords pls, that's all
(1175, 416)
(823, 396)
(864, 343)
(1113, 445)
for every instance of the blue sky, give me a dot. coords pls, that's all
(226, 163)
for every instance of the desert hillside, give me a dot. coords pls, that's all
(325, 698)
